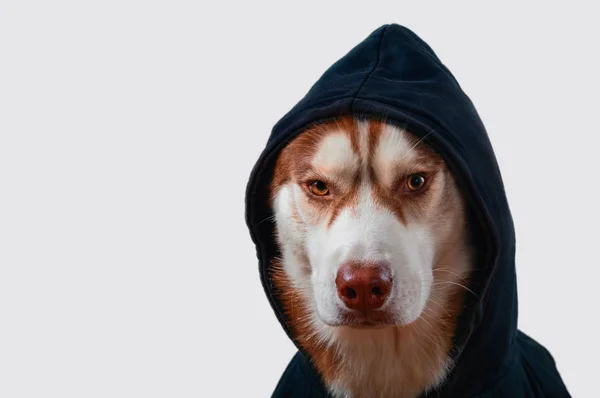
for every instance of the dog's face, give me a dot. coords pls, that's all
(364, 216)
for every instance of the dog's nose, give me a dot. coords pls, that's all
(364, 286)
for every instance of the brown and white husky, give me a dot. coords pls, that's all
(374, 256)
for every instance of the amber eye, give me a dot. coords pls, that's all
(415, 182)
(319, 188)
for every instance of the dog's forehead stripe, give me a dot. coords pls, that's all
(335, 153)
(363, 139)
(394, 145)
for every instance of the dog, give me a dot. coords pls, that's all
(375, 255)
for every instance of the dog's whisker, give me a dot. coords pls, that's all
(421, 140)
(439, 305)
(450, 272)
(457, 284)
(270, 218)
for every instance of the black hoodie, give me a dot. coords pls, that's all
(395, 76)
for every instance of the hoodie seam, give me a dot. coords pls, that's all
(362, 84)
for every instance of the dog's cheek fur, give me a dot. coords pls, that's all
(293, 284)
(294, 237)
(290, 234)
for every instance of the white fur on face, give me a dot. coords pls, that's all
(313, 249)
(335, 155)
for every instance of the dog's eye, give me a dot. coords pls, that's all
(415, 182)
(319, 188)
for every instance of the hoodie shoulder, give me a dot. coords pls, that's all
(531, 374)
(540, 369)
(299, 381)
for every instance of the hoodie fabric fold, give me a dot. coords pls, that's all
(395, 76)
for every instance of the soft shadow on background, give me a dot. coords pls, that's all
(127, 133)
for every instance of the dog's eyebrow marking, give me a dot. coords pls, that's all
(394, 146)
(335, 155)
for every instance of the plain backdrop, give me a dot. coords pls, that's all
(128, 130)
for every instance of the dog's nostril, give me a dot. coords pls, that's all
(376, 291)
(350, 293)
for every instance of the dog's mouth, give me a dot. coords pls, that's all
(366, 325)
(372, 319)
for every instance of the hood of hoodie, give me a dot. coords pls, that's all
(395, 76)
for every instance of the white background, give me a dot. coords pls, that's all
(127, 133)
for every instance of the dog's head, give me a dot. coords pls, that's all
(366, 214)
